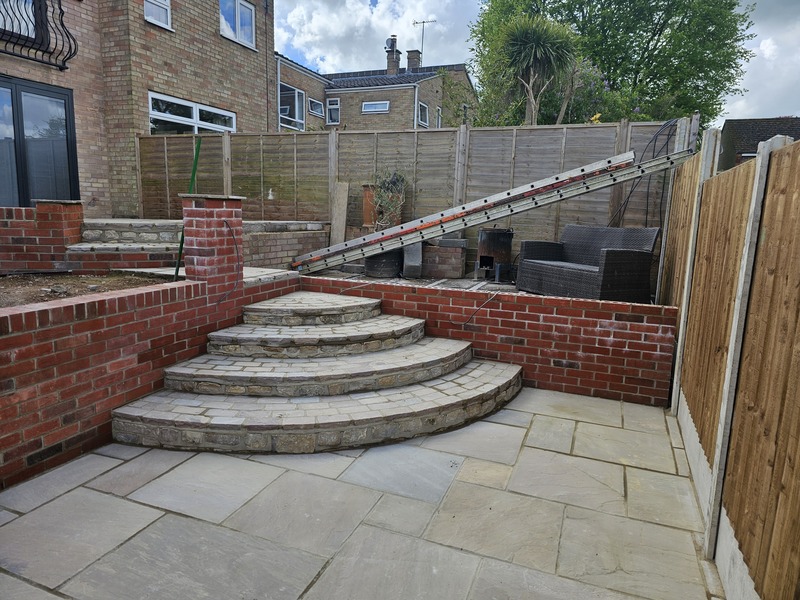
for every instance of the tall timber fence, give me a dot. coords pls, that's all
(737, 369)
(292, 176)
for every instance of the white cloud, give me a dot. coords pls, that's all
(768, 49)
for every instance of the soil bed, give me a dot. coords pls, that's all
(18, 290)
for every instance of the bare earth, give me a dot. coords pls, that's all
(17, 290)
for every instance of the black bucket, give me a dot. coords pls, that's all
(387, 264)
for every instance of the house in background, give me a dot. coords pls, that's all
(740, 137)
(80, 80)
(394, 98)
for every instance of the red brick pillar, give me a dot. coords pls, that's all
(57, 224)
(212, 247)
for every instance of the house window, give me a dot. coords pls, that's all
(24, 22)
(315, 107)
(422, 114)
(158, 12)
(438, 116)
(375, 107)
(237, 21)
(333, 113)
(292, 107)
(173, 115)
(38, 156)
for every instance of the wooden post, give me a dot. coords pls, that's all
(621, 144)
(459, 177)
(227, 176)
(714, 507)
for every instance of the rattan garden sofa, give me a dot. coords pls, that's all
(605, 263)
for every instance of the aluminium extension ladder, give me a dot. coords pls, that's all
(591, 177)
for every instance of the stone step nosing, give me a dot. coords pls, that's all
(294, 383)
(295, 319)
(124, 247)
(190, 432)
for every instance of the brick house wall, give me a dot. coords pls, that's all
(400, 115)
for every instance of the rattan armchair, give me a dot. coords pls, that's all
(605, 263)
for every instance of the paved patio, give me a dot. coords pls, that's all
(556, 496)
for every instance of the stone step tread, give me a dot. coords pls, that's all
(473, 380)
(255, 370)
(311, 303)
(381, 327)
(124, 247)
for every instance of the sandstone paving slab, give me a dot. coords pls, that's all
(324, 464)
(629, 556)
(503, 581)
(402, 515)
(487, 441)
(624, 446)
(35, 492)
(661, 498)
(130, 476)
(568, 406)
(571, 480)
(405, 470)
(6, 516)
(14, 589)
(120, 451)
(208, 486)
(379, 564)
(53, 543)
(179, 558)
(510, 417)
(551, 433)
(499, 524)
(307, 308)
(306, 512)
(643, 418)
(482, 472)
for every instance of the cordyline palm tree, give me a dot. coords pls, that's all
(537, 51)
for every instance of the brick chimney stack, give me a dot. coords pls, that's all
(392, 56)
(414, 59)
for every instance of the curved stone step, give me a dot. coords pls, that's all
(311, 308)
(180, 420)
(255, 376)
(383, 332)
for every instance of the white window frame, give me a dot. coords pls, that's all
(298, 122)
(320, 112)
(331, 104)
(162, 4)
(236, 35)
(373, 107)
(195, 121)
(438, 117)
(420, 120)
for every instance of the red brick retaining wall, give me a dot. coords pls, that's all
(590, 347)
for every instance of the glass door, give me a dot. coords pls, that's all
(9, 192)
(46, 150)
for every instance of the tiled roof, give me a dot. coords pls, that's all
(747, 133)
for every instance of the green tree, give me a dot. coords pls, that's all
(661, 58)
(537, 52)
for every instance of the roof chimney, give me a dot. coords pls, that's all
(414, 59)
(392, 56)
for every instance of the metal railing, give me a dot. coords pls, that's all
(35, 30)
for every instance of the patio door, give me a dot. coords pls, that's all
(37, 143)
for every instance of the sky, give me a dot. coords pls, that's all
(349, 35)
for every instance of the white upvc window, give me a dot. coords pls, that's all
(438, 116)
(175, 115)
(315, 107)
(237, 21)
(292, 109)
(158, 12)
(422, 114)
(381, 106)
(333, 112)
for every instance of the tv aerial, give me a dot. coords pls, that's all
(422, 44)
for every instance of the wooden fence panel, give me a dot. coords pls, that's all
(247, 175)
(280, 179)
(762, 484)
(684, 198)
(723, 219)
(312, 177)
(435, 171)
(356, 165)
(154, 179)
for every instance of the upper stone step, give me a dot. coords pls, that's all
(131, 231)
(125, 248)
(311, 308)
(255, 376)
(383, 332)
